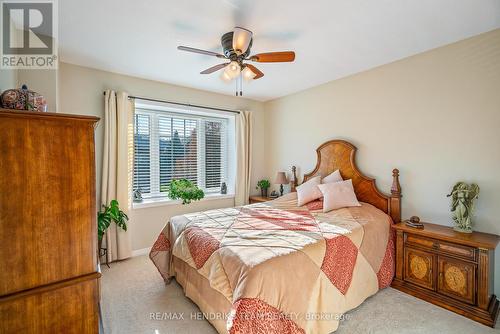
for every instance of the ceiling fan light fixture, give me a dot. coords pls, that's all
(233, 70)
(225, 77)
(241, 40)
(248, 74)
(236, 47)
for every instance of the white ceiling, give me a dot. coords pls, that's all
(331, 38)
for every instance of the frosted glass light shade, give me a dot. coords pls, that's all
(233, 70)
(248, 74)
(241, 40)
(225, 77)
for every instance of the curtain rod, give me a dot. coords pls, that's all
(181, 104)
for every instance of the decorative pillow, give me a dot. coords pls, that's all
(315, 205)
(338, 195)
(309, 191)
(333, 177)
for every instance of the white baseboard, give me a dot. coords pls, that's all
(139, 252)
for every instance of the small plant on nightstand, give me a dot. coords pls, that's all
(264, 186)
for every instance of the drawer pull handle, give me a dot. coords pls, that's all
(435, 245)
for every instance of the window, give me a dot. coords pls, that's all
(173, 144)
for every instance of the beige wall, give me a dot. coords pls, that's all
(435, 116)
(81, 92)
(41, 81)
(8, 80)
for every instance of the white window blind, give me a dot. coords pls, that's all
(170, 145)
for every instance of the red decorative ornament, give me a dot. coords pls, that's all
(23, 99)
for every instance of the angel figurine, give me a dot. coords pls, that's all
(463, 196)
(137, 195)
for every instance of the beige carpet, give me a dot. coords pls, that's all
(132, 290)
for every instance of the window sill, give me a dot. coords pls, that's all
(150, 202)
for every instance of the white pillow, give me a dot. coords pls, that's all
(333, 177)
(338, 195)
(309, 191)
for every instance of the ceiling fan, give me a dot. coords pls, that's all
(236, 47)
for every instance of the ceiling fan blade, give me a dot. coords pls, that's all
(241, 39)
(274, 57)
(214, 68)
(258, 73)
(203, 52)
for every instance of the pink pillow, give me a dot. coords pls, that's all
(333, 177)
(309, 191)
(338, 195)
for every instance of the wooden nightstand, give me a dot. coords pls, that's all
(449, 269)
(258, 199)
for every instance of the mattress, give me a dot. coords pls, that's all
(275, 267)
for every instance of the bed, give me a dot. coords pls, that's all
(275, 267)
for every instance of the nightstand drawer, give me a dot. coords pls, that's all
(416, 240)
(465, 252)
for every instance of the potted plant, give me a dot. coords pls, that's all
(108, 214)
(263, 185)
(463, 196)
(185, 190)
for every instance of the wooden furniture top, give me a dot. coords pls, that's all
(340, 154)
(38, 114)
(446, 233)
(260, 198)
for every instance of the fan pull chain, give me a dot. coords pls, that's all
(241, 85)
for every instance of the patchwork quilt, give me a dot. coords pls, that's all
(283, 268)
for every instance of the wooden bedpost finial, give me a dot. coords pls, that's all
(396, 187)
(293, 182)
(395, 199)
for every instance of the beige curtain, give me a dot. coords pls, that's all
(117, 167)
(243, 156)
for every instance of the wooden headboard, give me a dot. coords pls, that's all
(340, 154)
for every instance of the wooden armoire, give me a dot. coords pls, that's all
(48, 233)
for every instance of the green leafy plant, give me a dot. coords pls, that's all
(185, 190)
(263, 184)
(463, 196)
(109, 214)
